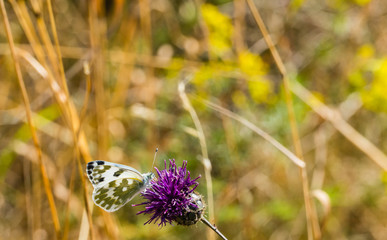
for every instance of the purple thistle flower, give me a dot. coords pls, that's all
(170, 196)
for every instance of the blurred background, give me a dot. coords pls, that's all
(101, 80)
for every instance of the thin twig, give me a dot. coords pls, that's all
(29, 203)
(75, 134)
(146, 30)
(260, 132)
(215, 229)
(335, 118)
(57, 47)
(67, 211)
(239, 16)
(206, 161)
(313, 227)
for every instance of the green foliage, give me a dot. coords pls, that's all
(296, 4)
(45, 117)
(284, 210)
(231, 213)
(6, 158)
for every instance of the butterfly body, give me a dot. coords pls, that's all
(115, 184)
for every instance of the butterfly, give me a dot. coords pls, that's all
(115, 184)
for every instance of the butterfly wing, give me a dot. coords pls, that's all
(114, 184)
(101, 172)
(116, 194)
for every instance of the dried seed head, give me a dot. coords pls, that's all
(194, 212)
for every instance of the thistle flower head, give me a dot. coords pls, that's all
(171, 197)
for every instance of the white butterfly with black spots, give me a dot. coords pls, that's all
(115, 184)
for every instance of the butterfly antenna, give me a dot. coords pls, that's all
(154, 158)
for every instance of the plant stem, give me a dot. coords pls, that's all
(215, 229)
(202, 140)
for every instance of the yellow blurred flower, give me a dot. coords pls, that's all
(220, 29)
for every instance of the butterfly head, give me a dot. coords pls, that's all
(147, 178)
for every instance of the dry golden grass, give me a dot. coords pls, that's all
(220, 85)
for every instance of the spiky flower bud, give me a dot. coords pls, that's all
(194, 212)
